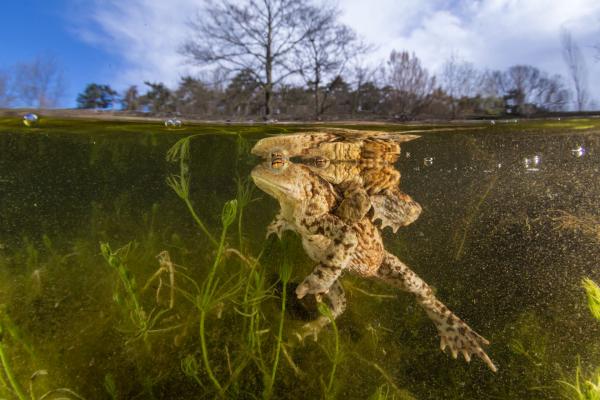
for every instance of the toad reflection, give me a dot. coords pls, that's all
(343, 183)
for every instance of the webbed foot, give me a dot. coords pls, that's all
(395, 209)
(461, 339)
(336, 301)
(312, 328)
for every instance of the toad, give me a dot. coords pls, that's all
(306, 203)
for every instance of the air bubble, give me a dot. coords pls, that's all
(30, 119)
(578, 152)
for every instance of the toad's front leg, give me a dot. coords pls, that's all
(454, 332)
(334, 258)
(355, 204)
(278, 226)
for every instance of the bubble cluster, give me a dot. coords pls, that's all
(532, 163)
(173, 123)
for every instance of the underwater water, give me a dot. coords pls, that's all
(127, 271)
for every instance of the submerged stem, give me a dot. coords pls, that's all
(199, 222)
(9, 372)
(324, 310)
(209, 289)
(269, 388)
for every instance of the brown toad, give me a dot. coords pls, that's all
(307, 201)
(361, 166)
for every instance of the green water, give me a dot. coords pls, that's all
(505, 240)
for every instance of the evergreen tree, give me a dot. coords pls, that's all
(96, 96)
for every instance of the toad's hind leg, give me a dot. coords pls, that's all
(335, 299)
(454, 332)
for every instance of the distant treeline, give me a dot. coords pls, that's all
(400, 90)
(290, 59)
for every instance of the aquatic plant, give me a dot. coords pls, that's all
(585, 386)
(592, 291)
(180, 152)
(582, 388)
(336, 356)
(587, 224)
(8, 371)
(206, 298)
(461, 237)
(12, 383)
(110, 386)
(143, 323)
(285, 273)
(190, 367)
(245, 192)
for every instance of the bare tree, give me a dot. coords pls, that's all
(524, 87)
(411, 83)
(365, 96)
(551, 93)
(250, 35)
(40, 83)
(324, 52)
(459, 79)
(576, 67)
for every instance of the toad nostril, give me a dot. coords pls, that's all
(320, 162)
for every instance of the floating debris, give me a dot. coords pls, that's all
(30, 119)
(428, 161)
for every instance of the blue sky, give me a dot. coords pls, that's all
(123, 42)
(29, 28)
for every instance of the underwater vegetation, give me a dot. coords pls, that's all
(587, 224)
(592, 292)
(586, 386)
(125, 276)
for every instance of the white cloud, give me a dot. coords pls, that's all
(145, 34)
(491, 33)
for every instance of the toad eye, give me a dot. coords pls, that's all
(277, 160)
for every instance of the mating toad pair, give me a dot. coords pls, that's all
(343, 183)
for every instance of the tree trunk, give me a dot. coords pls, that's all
(316, 89)
(316, 85)
(269, 65)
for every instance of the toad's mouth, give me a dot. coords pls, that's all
(269, 186)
